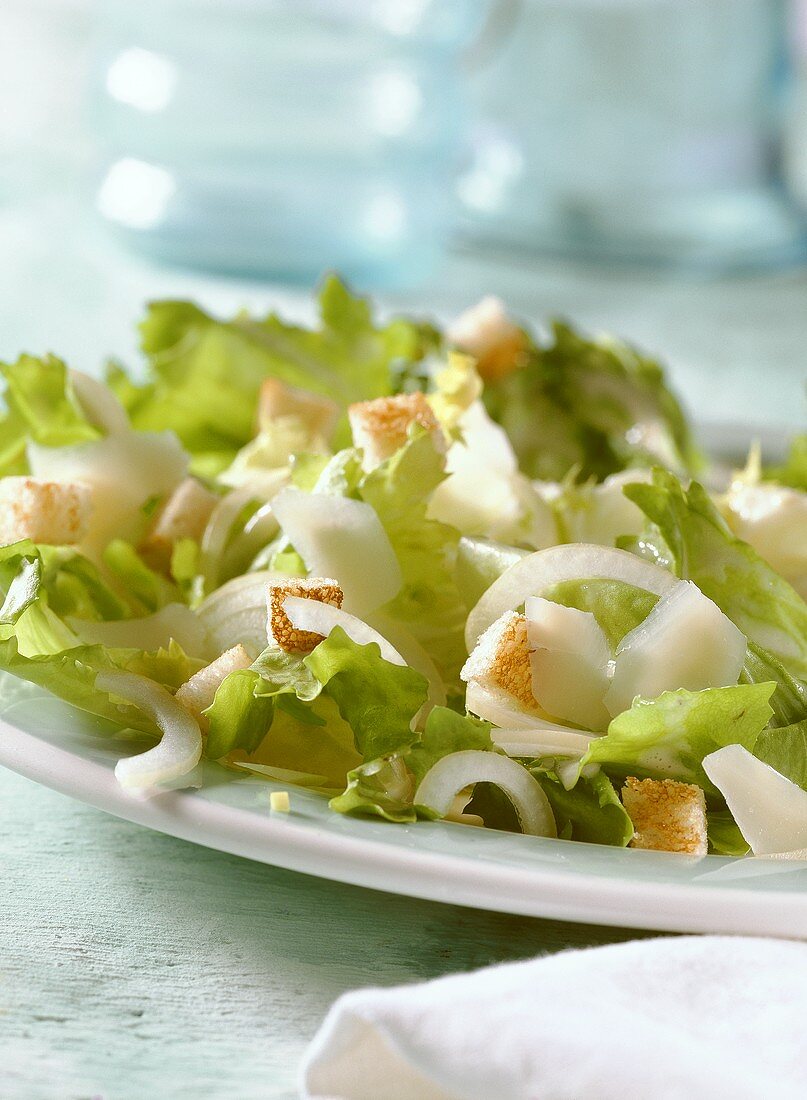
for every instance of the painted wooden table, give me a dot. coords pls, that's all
(135, 965)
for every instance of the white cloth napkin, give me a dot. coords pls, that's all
(660, 1019)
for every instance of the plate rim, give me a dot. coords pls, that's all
(440, 877)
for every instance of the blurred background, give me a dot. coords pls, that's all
(635, 165)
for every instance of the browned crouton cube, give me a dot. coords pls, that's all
(667, 815)
(486, 332)
(184, 516)
(279, 628)
(198, 693)
(501, 659)
(381, 427)
(52, 512)
(276, 400)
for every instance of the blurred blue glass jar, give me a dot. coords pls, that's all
(281, 138)
(634, 129)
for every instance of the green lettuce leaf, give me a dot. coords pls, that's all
(41, 406)
(600, 406)
(446, 732)
(760, 602)
(380, 788)
(724, 835)
(340, 705)
(793, 471)
(589, 812)
(378, 700)
(789, 700)
(205, 374)
(668, 737)
(239, 716)
(385, 787)
(148, 589)
(430, 603)
(36, 645)
(785, 750)
(617, 607)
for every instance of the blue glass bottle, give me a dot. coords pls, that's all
(283, 137)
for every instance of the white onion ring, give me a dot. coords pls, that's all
(540, 571)
(443, 782)
(180, 748)
(236, 612)
(321, 618)
(543, 740)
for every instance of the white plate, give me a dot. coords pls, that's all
(50, 742)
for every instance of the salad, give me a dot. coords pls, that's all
(475, 574)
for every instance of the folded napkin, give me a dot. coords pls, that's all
(655, 1019)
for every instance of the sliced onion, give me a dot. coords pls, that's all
(217, 532)
(178, 752)
(535, 574)
(100, 405)
(174, 621)
(546, 739)
(770, 810)
(236, 612)
(443, 782)
(259, 531)
(342, 538)
(284, 775)
(321, 618)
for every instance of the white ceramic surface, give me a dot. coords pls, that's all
(50, 742)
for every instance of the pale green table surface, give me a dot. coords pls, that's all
(134, 965)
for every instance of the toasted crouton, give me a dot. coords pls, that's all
(184, 516)
(486, 332)
(277, 400)
(501, 660)
(52, 512)
(279, 628)
(198, 693)
(667, 816)
(381, 427)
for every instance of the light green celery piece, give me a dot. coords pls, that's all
(617, 607)
(668, 737)
(42, 407)
(760, 602)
